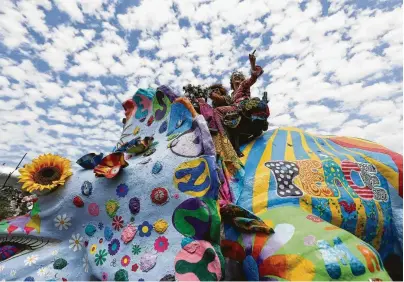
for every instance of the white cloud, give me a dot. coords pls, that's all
(326, 74)
(71, 8)
(147, 16)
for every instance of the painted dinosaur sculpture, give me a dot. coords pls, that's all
(171, 210)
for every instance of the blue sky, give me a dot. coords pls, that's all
(66, 66)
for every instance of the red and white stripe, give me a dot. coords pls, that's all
(364, 192)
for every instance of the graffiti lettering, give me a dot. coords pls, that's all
(348, 167)
(285, 172)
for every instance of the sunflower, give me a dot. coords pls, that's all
(45, 173)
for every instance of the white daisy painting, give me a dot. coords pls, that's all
(76, 242)
(62, 222)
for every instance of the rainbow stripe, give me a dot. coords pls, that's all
(291, 144)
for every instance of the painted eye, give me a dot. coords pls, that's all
(14, 246)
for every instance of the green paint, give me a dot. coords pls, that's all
(182, 225)
(215, 224)
(35, 209)
(200, 269)
(304, 228)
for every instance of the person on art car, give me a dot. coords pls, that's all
(241, 91)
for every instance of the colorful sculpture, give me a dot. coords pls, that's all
(156, 215)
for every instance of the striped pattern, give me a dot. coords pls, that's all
(347, 168)
(340, 154)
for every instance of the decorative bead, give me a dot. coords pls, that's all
(78, 202)
(159, 196)
(59, 263)
(157, 167)
(134, 205)
(121, 275)
(93, 209)
(160, 226)
(90, 230)
(128, 233)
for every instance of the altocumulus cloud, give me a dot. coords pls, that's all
(66, 66)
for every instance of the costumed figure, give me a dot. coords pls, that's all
(241, 92)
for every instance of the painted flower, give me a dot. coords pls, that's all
(104, 276)
(111, 207)
(113, 247)
(62, 222)
(93, 249)
(1, 268)
(55, 252)
(161, 244)
(30, 260)
(85, 263)
(117, 223)
(13, 272)
(76, 242)
(43, 271)
(136, 249)
(100, 225)
(176, 196)
(46, 172)
(309, 240)
(145, 229)
(135, 267)
(122, 190)
(101, 257)
(125, 260)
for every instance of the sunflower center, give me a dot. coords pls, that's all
(47, 175)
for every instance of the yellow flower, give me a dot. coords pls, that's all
(93, 249)
(45, 173)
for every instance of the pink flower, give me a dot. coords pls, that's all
(104, 276)
(176, 196)
(161, 244)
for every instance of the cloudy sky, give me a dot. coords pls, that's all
(66, 65)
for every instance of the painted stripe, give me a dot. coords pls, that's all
(307, 149)
(361, 222)
(250, 167)
(289, 153)
(263, 174)
(298, 147)
(246, 151)
(342, 155)
(380, 226)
